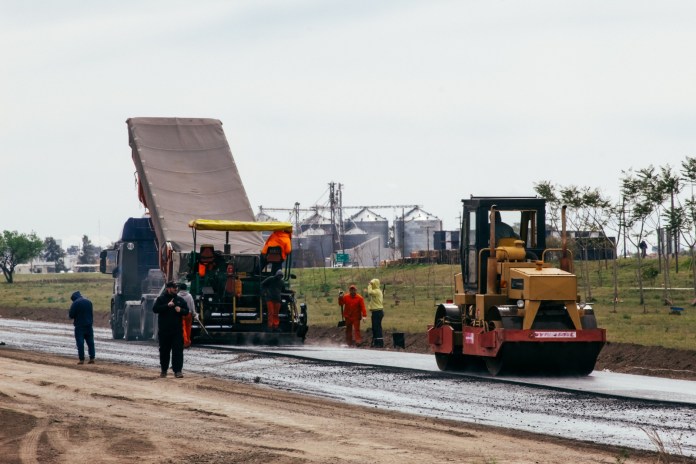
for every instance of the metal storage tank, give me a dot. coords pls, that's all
(316, 221)
(263, 217)
(311, 248)
(371, 224)
(354, 237)
(414, 231)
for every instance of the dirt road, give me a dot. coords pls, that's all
(54, 411)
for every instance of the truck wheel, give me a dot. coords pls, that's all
(131, 321)
(145, 323)
(116, 326)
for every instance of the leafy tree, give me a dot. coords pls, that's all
(688, 223)
(587, 210)
(545, 189)
(90, 252)
(642, 198)
(16, 248)
(53, 252)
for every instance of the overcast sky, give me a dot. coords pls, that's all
(401, 102)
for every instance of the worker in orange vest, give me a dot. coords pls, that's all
(353, 309)
(279, 238)
(187, 319)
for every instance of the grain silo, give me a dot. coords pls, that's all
(311, 248)
(264, 217)
(316, 221)
(371, 223)
(354, 237)
(414, 231)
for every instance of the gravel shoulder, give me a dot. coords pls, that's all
(625, 358)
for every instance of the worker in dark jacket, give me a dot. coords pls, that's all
(81, 312)
(171, 308)
(273, 288)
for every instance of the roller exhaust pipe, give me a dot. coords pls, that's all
(491, 270)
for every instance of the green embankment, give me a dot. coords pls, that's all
(413, 291)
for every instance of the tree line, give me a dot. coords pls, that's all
(20, 248)
(654, 203)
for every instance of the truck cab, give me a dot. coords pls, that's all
(133, 263)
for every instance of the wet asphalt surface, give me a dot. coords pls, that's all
(581, 415)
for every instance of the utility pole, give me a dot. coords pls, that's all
(623, 222)
(336, 216)
(403, 235)
(297, 217)
(427, 241)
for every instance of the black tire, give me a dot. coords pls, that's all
(146, 329)
(116, 325)
(588, 321)
(584, 367)
(131, 321)
(495, 365)
(450, 361)
(145, 325)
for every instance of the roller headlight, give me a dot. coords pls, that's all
(520, 304)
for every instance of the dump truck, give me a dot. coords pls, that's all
(185, 173)
(514, 309)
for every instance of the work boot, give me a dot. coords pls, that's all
(163, 374)
(91, 361)
(81, 361)
(178, 375)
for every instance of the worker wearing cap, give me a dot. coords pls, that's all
(171, 308)
(353, 312)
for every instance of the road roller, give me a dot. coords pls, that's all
(516, 308)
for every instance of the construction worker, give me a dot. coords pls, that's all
(81, 312)
(187, 320)
(273, 288)
(376, 306)
(281, 239)
(171, 308)
(353, 306)
(503, 230)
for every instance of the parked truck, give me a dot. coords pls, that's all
(185, 171)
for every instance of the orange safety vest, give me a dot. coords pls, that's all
(279, 238)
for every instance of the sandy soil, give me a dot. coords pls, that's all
(54, 411)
